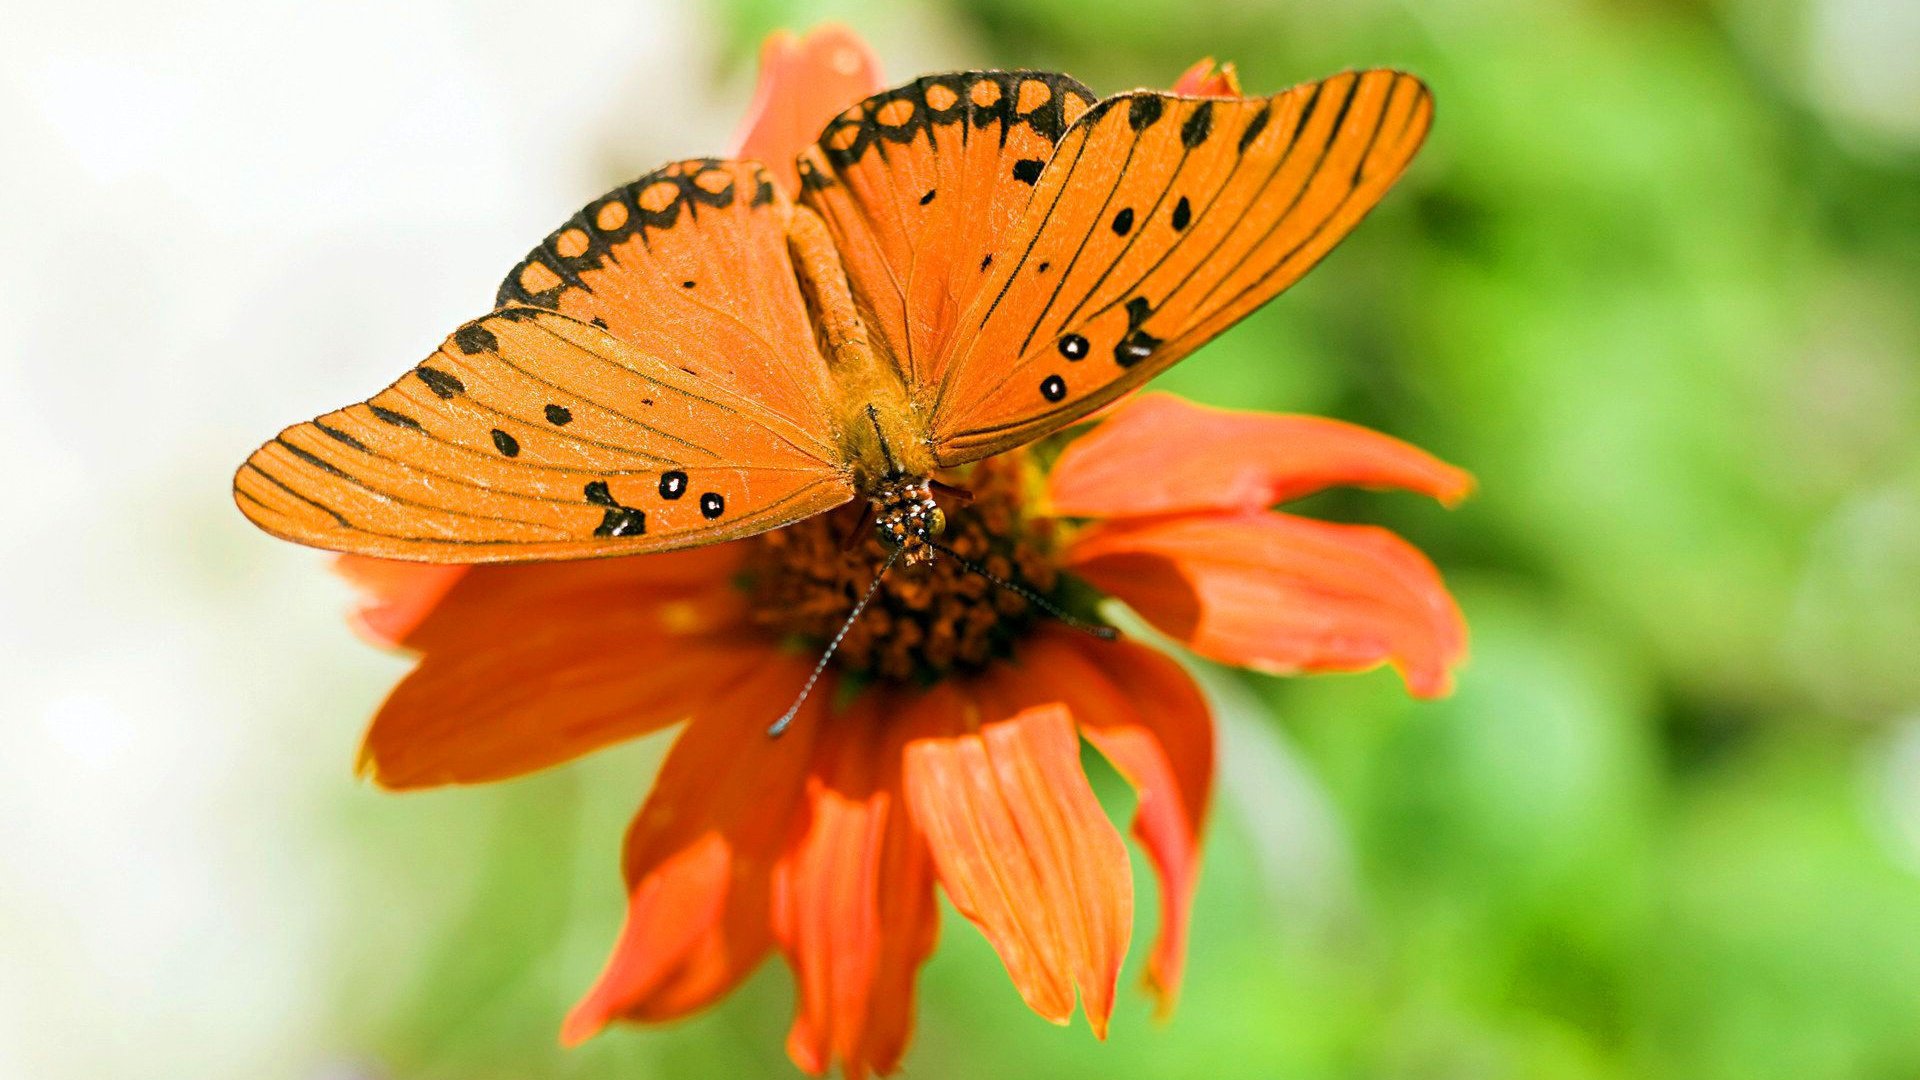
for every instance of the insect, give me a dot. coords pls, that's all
(974, 260)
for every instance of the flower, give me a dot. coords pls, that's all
(1206, 79)
(943, 746)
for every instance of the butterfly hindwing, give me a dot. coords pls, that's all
(690, 264)
(1159, 222)
(920, 185)
(532, 435)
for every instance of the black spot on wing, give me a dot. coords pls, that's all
(1138, 308)
(505, 443)
(1255, 126)
(622, 521)
(1135, 347)
(1199, 125)
(1182, 213)
(1340, 118)
(618, 520)
(813, 179)
(442, 384)
(340, 436)
(559, 415)
(1027, 170)
(474, 338)
(1144, 110)
(313, 459)
(396, 419)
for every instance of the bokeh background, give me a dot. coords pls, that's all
(1654, 280)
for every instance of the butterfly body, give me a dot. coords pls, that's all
(882, 436)
(973, 260)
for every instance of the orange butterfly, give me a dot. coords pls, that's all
(977, 259)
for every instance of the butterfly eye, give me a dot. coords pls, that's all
(936, 522)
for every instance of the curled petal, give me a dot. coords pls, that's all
(1146, 716)
(1159, 454)
(1206, 79)
(524, 667)
(1023, 848)
(853, 903)
(1282, 594)
(804, 82)
(395, 596)
(700, 856)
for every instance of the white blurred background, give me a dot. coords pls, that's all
(218, 218)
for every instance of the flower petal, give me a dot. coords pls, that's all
(531, 666)
(396, 596)
(1023, 848)
(804, 82)
(1160, 454)
(853, 903)
(1282, 594)
(687, 592)
(1205, 79)
(700, 855)
(1144, 713)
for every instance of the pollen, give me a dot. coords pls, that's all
(930, 618)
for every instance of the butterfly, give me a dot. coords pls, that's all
(974, 260)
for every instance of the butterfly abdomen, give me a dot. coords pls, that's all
(879, 427)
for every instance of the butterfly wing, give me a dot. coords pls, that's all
(1159, 222)
(920, 185)
(533, 435)
(650, 381)
(690, 265)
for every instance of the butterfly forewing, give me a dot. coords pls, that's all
(690, 264)
(532, 435)
(1159, 222)
(920, 186)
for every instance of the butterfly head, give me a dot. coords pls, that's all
(906, 517)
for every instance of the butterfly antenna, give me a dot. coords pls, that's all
(1104, 633)
(833, 646)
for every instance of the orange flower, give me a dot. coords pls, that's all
(1207, 79)
(944, 745)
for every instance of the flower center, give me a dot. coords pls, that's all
(928, 618)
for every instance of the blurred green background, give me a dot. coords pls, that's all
(1653, 281)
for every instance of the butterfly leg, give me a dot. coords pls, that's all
(951, 492)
